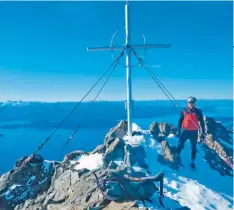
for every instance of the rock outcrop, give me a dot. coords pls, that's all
(160, 131)
(72, 188)
(118, 131)
(115, 183)
(217, 145)
(217, 130)
(67, 185)
(18, 186)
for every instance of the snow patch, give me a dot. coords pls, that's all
(171, 136)
(90, 162)
(14, 186)
(135, 128)
(134, 140)
(197, 196)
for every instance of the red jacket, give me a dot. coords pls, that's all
(189, 119)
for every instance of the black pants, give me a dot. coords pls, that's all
(192, 136)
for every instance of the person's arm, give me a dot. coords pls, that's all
(180, 122)
(201, 121)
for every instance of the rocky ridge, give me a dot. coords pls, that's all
(119, 178)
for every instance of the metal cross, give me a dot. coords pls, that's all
(128, 48)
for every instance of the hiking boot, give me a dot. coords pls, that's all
(192, 165)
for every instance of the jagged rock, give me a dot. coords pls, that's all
(73, 156)
(66, 187)
(161, 130)
(218, 147)
(154, 128)
(3, 181)
(217, 157)
(99, 149)
(115, 150)
(20, 185)
(217, 141)
(135, 155)
(83, 171)
(219, 138)
(114, 144)
(217, 130)
(117, 132)
(73, 197)
(168, 154)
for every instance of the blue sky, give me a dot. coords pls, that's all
(43, 53)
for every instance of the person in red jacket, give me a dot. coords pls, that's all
(191, 121)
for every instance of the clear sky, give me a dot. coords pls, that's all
(43, 53)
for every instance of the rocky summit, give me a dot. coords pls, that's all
(115, 175)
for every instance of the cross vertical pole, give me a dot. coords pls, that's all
(128, 70)
(128, 50)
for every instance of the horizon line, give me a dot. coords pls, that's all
(35, 101)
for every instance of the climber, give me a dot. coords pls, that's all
(188, 128)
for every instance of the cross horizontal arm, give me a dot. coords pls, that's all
(105, 48)
(151, 46)
(129, 47)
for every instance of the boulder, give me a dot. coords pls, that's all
(217, 130)
(118, 131)
(25, 183)
(114, 151)
(217, 157)
(161, 130)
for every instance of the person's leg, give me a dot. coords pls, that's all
(193, 140)
(182, 139)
